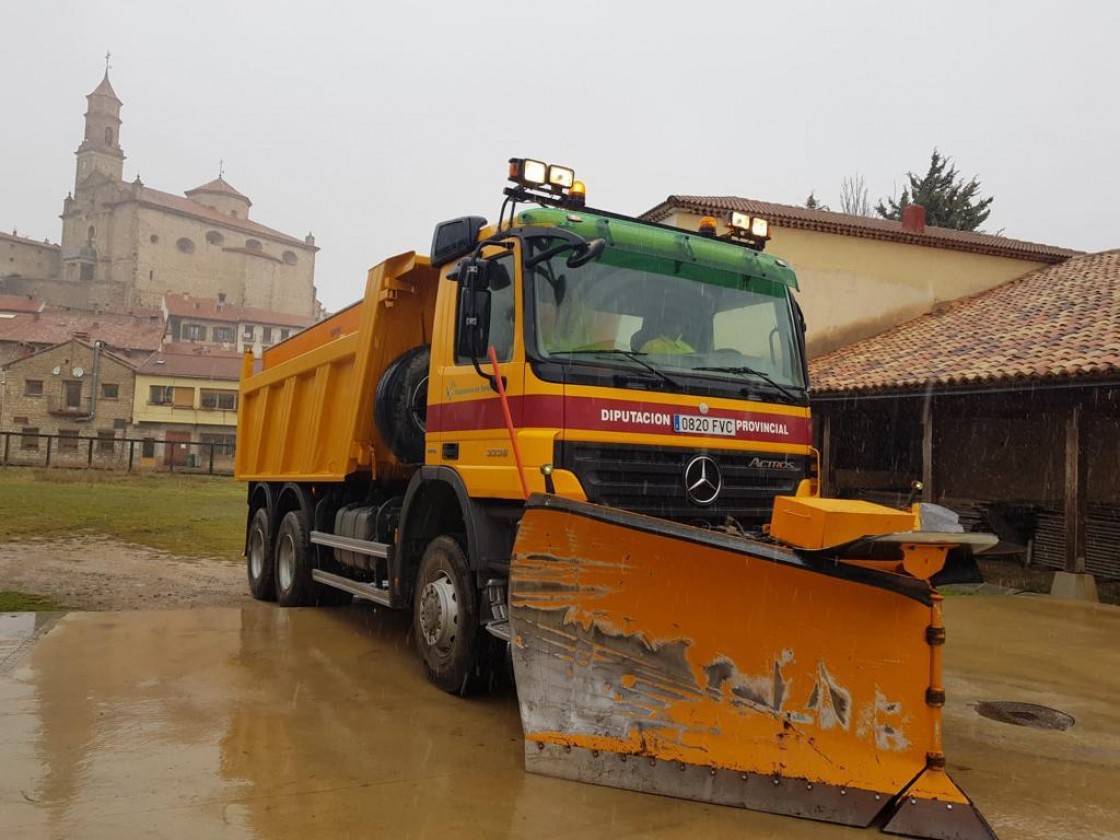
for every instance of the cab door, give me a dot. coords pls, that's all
(466, 429)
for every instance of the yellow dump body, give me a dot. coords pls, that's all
(307, 415)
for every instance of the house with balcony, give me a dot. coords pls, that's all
(185, 406)
(194, 320)
(70, 404)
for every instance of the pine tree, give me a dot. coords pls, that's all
(949, 201)
(814, 203)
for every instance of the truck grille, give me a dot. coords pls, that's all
(650, 480)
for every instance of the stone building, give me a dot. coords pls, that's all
(79, 391)
(124, 245)
(31, 328)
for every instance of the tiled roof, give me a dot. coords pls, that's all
(19, 303)
(123, 360)
(193, 361)
(1061, 322)
(23, 240)
(187, 207)
(50, 327)
(219, 186)
(208, 309)
(785, 215)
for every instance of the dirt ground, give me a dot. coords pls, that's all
(102, 573)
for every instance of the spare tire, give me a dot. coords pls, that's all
(400, 406)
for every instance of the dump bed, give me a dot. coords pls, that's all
(307, 415)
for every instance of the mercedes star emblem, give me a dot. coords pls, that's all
(702, 480)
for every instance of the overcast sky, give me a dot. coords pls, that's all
(367, 123)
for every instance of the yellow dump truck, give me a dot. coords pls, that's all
(582, 440)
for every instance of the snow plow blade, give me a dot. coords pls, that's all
(659, 657)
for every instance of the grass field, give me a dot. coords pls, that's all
(193, 516)
(22, 602)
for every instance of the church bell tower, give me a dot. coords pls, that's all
(100, 150)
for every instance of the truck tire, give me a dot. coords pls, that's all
(445, 617)
(400, 405)
(294, 561)
(259, 561)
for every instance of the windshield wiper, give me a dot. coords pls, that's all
(633, 355)
(743, 369)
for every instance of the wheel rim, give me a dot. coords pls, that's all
(439, 613)
(256, 554)
(418, 404)
(286, 562)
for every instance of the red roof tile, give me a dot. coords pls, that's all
(1059, 322)
(19, 303)
(23, 240)
(187, 207)
(785, 215)
(193, 361)
(219, 186)
(50, 327)
(208, 309)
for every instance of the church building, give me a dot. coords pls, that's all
(125, 245)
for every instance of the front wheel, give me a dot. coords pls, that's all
(445, 617)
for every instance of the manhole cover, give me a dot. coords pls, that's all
(1025, 714)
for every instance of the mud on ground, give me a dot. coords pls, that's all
(102, 573)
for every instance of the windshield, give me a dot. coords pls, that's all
(709, 323)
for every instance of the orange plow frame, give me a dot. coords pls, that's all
(664, 658)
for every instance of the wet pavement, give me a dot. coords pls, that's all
(262, 722)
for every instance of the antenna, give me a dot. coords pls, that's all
(221, 168)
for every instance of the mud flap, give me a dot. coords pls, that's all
(658, 657)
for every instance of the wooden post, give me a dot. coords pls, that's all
(927, 451)
(825, 477)
(1075, 490)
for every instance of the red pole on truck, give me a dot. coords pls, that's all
(509, 420)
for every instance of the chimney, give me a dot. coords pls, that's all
(221, 297)
(914, 218)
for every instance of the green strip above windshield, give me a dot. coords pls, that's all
(634, 243)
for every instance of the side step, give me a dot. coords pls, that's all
(373, 549)
(360, 590)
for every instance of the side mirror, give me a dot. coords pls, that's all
(583, 254)
(473, 332)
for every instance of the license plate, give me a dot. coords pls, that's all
(694, 424)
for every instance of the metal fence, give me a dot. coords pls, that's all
(22, 449)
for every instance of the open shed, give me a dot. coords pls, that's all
(1005, 404)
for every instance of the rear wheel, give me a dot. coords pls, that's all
(294, 585)
(258, 558)
(445, 617)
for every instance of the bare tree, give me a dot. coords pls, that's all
(853, 196)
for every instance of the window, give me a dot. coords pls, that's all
(219, 400)
(247, 332)
(254, 245)
(194, 332)
(106, 441)
(108, 137)
(148, 448)
(223, 444)
(110, 390)
(185, 245)
(30, 439)
(290, 257)
(90, 231)
(284, 334)
(214, 238)
(183, 397)
(154, 238)
(501, 309)
(160, 395)
(86, 273)
(33, 387)
(73, 393)
(67, 440)
(266, 333)
(222, 335)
